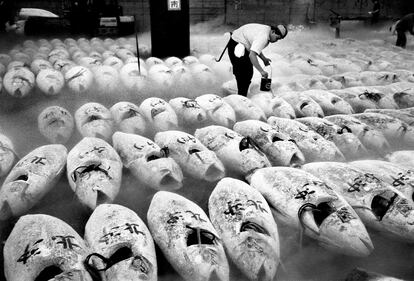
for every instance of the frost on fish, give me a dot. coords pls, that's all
(193, 157)
(403, 158)
(244, 221)
(19, 82)
(379, 205)
(304, 106)
(239, 154)
(279, 148)
(244, 108)
(121, 244)
(187, 238)
(373, 139)
(301, 200)
(189, 112)
(129, 118)
(31, 179)
(349, 144)
(79, 79)
(94, 172)
(94, 120)
(398, 133)
(42, 247)
(149, 163)
(56, 124)
(273, 105)
(218, 111)
(160, 116)
(312, 144)
(330, 103)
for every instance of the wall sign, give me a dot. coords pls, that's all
(174, 5)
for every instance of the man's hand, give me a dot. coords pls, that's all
(265, 60)
(264, 74)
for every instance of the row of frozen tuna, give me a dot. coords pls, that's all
(110, 77)
(94, 167)
(331, 202)
(156, 115)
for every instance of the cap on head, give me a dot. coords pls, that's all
(281, 30)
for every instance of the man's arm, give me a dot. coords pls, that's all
(253, 58)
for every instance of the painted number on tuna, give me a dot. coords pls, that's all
(30, 251)
(402, 178)
(116, 231)
(361, 182)
(176, 216)
(236, 207)
(66, 241)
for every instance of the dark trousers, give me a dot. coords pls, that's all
(401, 39)
(242, 68)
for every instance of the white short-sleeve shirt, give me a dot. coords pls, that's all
(254, 36)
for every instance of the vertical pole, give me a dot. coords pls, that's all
(225, 11)
(136, 41)
(314, 11)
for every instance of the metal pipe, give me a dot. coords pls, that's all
(136, 41)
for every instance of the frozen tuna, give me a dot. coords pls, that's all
(31, 179)
(42, 247)
(300, 200)
(187, 238)
(56, 124)
(193, 157)
(94, 172)
(122, 246)
(240, 155)
(149, 163)
(245, 223)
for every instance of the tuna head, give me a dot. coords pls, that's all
(304, 106)
(159, 114)
(94, 120)
(42, 247)
(31, 178)
(379, 205)
(123, 248)
(192, 156)
(149, 163)
(240, 155)
(189, 112)
(371, 138)
(129, 118)
(299, 199)
(244, 108)
(244, 221)
(187, 238)
(79, 79)
(279, 148)
(218, 111)
(94, 172)
(56, 124)
(312, 144)
(343, 138)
